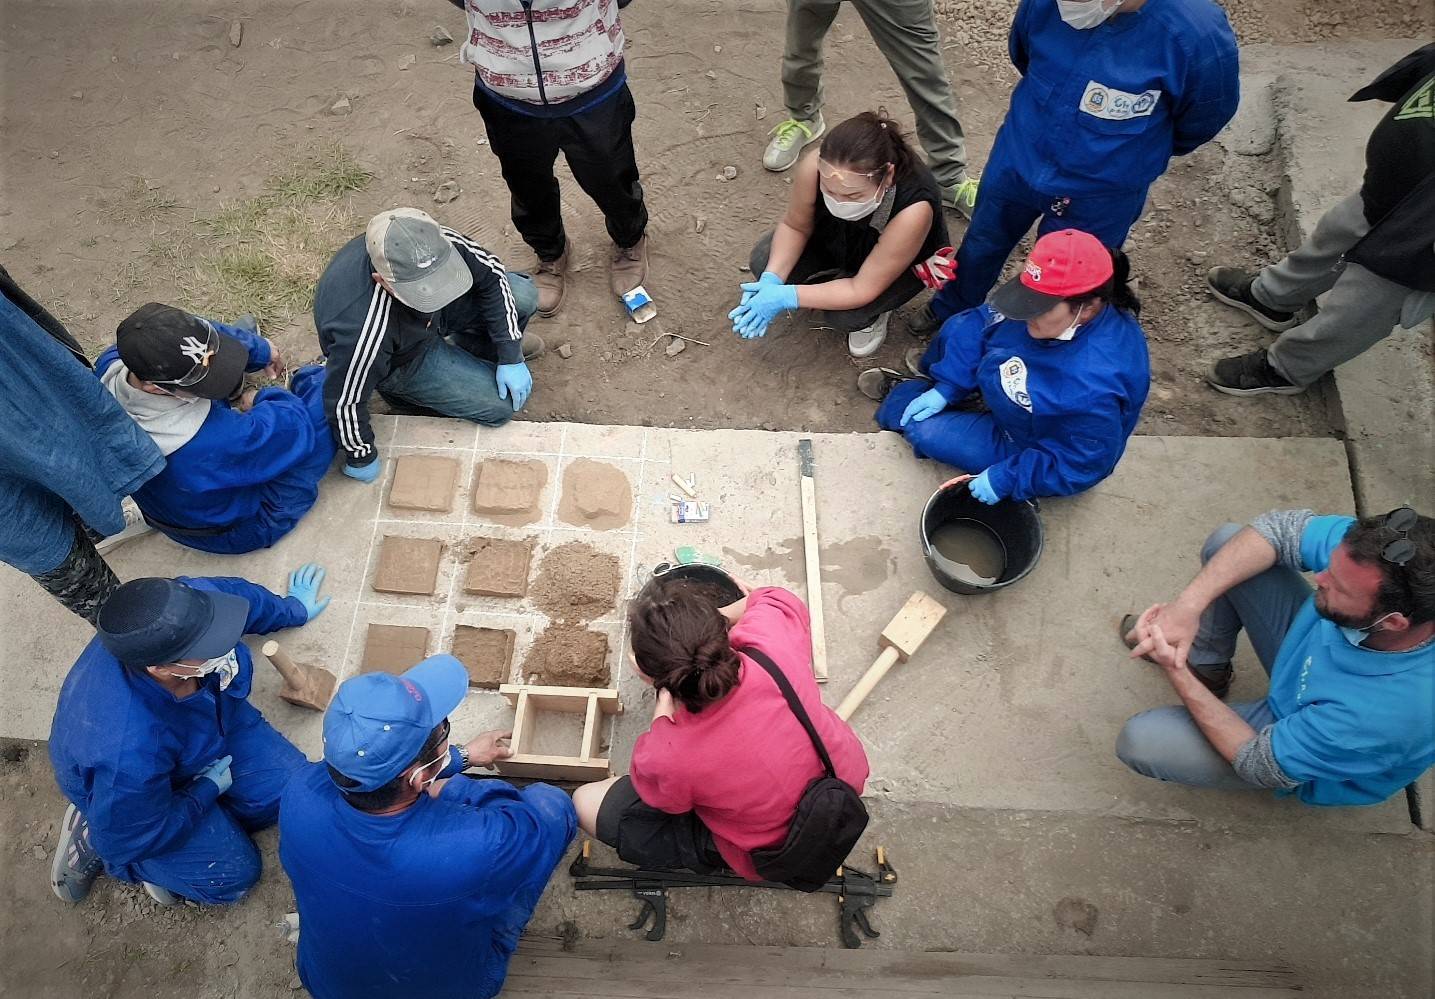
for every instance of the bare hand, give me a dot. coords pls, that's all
(665, 708)
(275, 368)
(490, 746)
(246, 400)
(1166, 630)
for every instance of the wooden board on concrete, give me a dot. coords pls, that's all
(914, 622)
(668, 970)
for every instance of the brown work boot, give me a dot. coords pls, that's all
(629, 267)
(550, 277)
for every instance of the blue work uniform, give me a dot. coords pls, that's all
(1094, 120)
(244, 479)
(1060, 410)
(126, 753)
(1354, 725)
(429, 901)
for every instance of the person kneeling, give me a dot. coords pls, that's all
(721, 770)
(243, 466)
(412, 879)
(1347, 719)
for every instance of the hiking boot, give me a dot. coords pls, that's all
(1249, 374)
(163, 896)
(864, 342)
(135, 527)
(922, 324)
(1233, 286)
(875, 383)
(550, 277)
(1216, 678)
(962, 198)
(788, 138)
(913, 360)
(532, 346)
(76, 864)
(629, 267)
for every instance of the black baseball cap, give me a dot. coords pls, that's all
(172, 348)
(152, 621)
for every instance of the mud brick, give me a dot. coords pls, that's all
(487, 654)
(499, 568)
(393, 648)
(408, 565)
(424, 482)
(510, 488)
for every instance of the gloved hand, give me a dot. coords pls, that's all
(304, 583)
(751, 318)
(515, 382)
(981, 488)
(767, 277)
(929, 403)
(364, 473)
(218, 772)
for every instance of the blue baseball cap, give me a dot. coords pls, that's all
(377, 722)
(152, 621)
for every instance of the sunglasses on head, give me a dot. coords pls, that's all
(1402, 521)
(201, 367)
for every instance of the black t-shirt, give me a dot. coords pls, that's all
(848, 244)
(1401, 150)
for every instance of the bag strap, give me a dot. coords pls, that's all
(793, 702)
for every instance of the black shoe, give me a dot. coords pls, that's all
(1217, 678)
(922, 324)
(1249, 374)
(1233, 286)
(875, 383)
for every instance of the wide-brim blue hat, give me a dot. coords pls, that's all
(153, 621)
(377, 723)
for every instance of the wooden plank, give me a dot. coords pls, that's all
(571, 699)
(811, 552)
(592, 731)
(538, 766)
(913, 623)
(522, 724)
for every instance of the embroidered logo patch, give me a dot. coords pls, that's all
(1117, 105)
(193, 349)
(1013, 375)
(1033, 271)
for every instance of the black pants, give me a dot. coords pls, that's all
(814, 267)
(648, 837)
(598, 145)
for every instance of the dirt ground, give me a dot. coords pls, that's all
(132, 131)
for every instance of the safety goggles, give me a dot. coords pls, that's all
(1402, 521)
(837, 175)
(201, 367)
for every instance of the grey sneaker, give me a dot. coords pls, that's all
(1249, 374)
(788, 138)
(163, 896)
(1233, 286)
(76, 864)
(962, 198)
(875, 383)
(865, 342)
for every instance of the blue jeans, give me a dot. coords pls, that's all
(218, 862)
(457, 377)
(1006, 207)
(1166, 743)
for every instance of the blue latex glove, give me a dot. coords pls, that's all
(218, 772)
(751, 318)
(304, 583)
(364, 473)
(515, 382)
(929, 403)
(767, 277)
(981, 488)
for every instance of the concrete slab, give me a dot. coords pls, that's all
(1014, 703)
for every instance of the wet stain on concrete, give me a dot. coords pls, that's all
(1076, 914)
(857, 565)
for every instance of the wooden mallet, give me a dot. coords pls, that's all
(900, 640)
(304, 685)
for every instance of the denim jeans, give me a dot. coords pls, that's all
(1166, 743)
(457, 376)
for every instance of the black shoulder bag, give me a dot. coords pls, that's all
(830, 815)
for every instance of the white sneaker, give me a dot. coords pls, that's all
(864, 342)
(163, 896)
(788, 138)
(135, 527)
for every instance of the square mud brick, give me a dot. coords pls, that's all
(422, 482)
(499, 568)
(393, 648)
(408, 565)
(487, 654)
(509, 488)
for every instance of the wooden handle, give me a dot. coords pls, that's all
(814, 579)
(292, 673)
(870, 679)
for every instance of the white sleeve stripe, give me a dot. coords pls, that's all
(366, 349)
(510, 308)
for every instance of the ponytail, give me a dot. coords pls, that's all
(1116, 290)
(869, 142)
(680, 643)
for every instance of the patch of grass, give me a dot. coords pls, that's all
(139, 204)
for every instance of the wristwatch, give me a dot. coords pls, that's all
(463, 759)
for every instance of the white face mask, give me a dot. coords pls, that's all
(423, 784)
(1357, 635)
(852, 211)
(227, 666)
(1070, 331)
(1085, 14)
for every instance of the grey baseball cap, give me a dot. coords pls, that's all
(420, 265)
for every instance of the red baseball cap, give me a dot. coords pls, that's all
(1062, 264)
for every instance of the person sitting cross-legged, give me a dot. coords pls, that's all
(1348, 719)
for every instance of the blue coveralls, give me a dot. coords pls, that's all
(1093, 122)
(126, 752)
(1061, 410)
(245, 479)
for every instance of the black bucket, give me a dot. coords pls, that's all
(710, 580)
(1015, 527)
